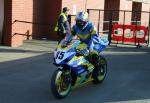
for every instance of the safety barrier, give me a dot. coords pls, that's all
(130, 34)
(114, 24)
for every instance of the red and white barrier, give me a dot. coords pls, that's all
(129, 33)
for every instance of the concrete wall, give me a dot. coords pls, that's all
(1, 18)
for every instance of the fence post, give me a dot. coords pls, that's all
(110, 26)
(148, 29)
(69, 19)
(136, 29)
(98, 21)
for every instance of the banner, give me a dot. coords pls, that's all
(129, 33)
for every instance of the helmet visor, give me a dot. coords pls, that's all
(80, 23)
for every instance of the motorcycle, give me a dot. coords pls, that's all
(71, 71)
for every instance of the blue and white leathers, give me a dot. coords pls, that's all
(88, 36)
(85, 35)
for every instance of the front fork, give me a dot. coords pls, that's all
(66, 73)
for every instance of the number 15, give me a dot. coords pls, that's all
(60, 55)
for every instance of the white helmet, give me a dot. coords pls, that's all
(82, 20)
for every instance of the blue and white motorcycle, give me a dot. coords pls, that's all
(71, 71)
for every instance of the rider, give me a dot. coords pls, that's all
(87, 33)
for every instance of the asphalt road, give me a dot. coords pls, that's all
(128, 80)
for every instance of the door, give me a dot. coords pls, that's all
(136, 12)
(111, 12)
(1, 18)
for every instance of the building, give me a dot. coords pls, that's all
(26, 19)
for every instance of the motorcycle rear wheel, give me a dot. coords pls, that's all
(100, 72)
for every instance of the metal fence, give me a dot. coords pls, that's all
(105, 19)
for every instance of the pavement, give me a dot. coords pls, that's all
(28, 49)
(25, 74)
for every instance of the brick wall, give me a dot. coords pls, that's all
(145, 16)
(79, 5)
(127, 5)
(25, 19)
(14, 32)
(22, 10)
(39, 17)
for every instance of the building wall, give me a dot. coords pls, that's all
(29, 18)
(80, 5)
(145, 16)
(14, 31)
(21, 11)
(1, 18)
(127, 5)
(37, 18)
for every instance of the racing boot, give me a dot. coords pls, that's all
(90, 68)
(94, 59)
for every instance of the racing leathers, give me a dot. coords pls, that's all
(86, 36)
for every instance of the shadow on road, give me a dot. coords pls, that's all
(26, 80)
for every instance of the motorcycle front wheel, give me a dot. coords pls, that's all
(60, 84)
